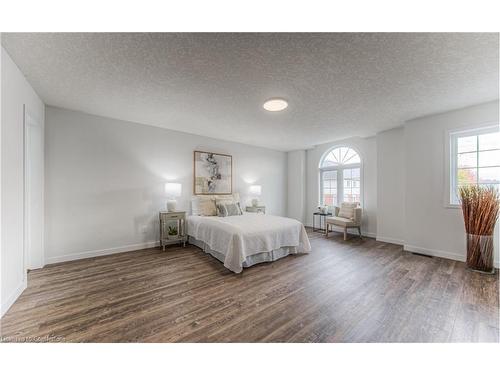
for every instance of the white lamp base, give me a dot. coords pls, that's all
(171, 205)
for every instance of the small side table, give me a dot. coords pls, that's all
(257, 209)
(322, 221)
(172, 228)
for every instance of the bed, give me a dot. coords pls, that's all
(244, 240)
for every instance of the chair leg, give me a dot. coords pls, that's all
(345, 233)
(359, 231)
(326, 230)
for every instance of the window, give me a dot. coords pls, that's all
(474, 160)
(340, 177)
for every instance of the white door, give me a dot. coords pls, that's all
(33, 192)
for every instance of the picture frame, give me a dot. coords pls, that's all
(213, 173)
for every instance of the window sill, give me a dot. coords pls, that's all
(456, 206)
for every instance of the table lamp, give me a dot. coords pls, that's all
(256, 191)
(172, 191)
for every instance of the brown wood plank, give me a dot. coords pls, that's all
(358, 290)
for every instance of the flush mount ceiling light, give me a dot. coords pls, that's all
(275, 105)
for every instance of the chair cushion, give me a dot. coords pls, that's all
(340, 221)
(347, 210)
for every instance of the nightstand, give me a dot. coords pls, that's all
(257, 209)
(172, 228)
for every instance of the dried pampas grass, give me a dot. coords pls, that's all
(480, 207)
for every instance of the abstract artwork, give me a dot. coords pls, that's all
(212, 173)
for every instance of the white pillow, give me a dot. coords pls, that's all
(195, 206)
(224, 199)
(203, 206)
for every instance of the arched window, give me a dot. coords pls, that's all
(340, 176)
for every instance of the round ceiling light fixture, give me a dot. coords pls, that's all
(275, 104)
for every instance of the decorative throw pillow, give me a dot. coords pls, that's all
(233, 209)
(347, 210)
(228, 209)
(229, 200)
(221, 210)
(206, 206)
(236, 197)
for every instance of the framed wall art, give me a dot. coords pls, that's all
(213, 173)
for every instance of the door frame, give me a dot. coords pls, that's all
(29, 120)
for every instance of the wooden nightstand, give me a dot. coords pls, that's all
(257, 209)
(172, 228)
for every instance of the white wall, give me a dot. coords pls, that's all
(432, 228)
(16, 92)
(367, 148)
(296, 206)
(105, 178)
(391, 186)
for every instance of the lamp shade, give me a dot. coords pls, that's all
(255, 189)
(173, 189)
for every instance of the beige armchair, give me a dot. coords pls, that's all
(345, 222)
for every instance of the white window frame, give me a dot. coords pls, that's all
(452, 159)
(340, 175)
(328, 169)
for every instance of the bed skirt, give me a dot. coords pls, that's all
(270, 256)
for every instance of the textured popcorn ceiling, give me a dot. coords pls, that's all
(337, 85)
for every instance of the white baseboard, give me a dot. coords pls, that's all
(35, 266)
(391, 240)
(97, 253)
(13, 297)
(434, 252)
(440, 254)
(369, 234)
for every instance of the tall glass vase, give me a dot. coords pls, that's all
(480, 253)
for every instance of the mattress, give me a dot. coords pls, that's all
(241, 241)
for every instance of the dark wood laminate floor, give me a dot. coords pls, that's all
(353, 291)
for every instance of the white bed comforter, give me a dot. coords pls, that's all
(238, 237)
